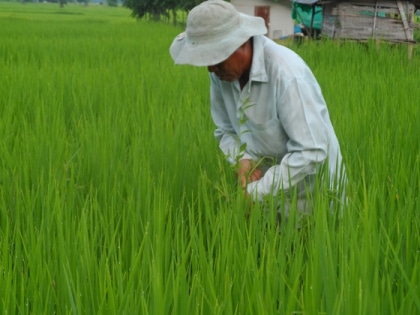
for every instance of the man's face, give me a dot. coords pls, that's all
(234, 66)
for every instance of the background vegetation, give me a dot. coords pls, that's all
(114, 198)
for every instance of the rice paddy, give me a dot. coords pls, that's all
(115, 199)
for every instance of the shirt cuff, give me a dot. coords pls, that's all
(246, 156)
(252, 189)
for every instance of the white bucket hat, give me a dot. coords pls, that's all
(215, 29)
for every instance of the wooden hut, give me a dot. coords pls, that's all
(369, 19)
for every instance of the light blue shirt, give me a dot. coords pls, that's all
(279, 119)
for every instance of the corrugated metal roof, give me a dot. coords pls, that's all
(306, 1)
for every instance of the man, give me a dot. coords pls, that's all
(270, 115)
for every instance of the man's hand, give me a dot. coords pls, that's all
(247, 172)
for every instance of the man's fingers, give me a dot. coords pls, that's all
(246, 174)
(243, 180)
(256, 175)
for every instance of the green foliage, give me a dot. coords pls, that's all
(115, 199)
(417, 35)
(417, 30)
(157, 9)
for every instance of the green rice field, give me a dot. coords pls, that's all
(115, 199)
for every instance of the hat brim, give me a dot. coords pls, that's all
(184, 51)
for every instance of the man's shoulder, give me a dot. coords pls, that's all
(273, 49)
(278, 57)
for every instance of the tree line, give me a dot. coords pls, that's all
(160, 9)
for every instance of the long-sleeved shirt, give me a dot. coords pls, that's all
(279, 118)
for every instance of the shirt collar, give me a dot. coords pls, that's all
(258, 72)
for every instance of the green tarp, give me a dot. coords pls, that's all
(307, 13)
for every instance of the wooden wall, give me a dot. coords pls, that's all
(363, 20)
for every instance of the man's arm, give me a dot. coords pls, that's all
(301, 109)
(225, 133)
